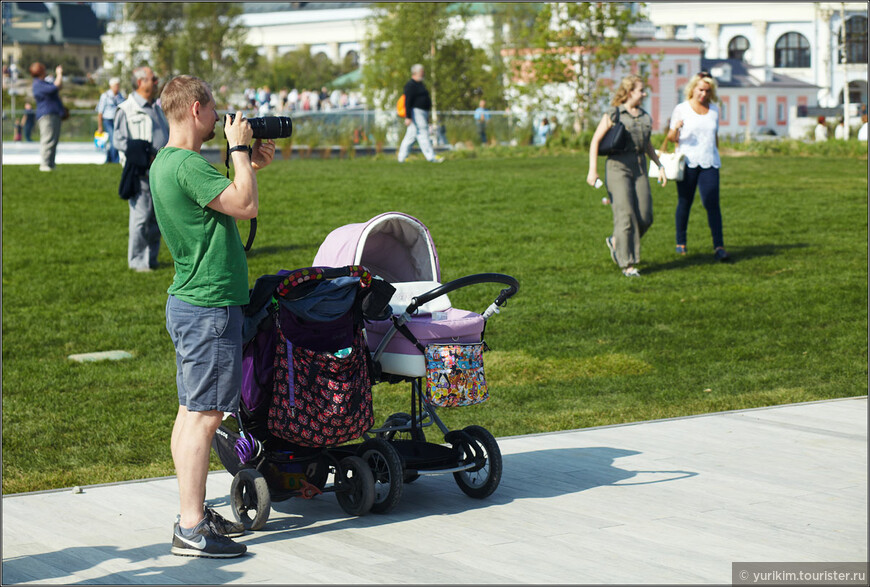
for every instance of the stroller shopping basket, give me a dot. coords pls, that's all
(306, 370)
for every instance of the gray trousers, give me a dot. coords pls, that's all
(144, 242)
(628, 185)
(49, 135)
(417, 131)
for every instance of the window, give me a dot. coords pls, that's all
(856, 40)
(743, 113)
(791, 50)
(723, 112)
(737, 47)
(681, 69)
(780, 111)
(761, 116)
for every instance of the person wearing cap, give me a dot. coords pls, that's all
(109, 102)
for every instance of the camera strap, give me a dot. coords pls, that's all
(253, 231)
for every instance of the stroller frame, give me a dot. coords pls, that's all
(474, 458)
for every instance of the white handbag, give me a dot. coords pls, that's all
(674, 164)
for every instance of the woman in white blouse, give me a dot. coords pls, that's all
(694, 129)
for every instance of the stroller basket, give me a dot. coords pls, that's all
(306, 368)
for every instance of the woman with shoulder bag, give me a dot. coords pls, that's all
(626, 174)
(694, 129)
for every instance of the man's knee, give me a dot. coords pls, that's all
(205, 422)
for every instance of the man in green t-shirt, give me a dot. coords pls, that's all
(196, 210)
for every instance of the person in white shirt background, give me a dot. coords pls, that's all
(694, 128)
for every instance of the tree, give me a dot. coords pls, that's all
(432, 34)
(574, 46)
(198, 38)
(297, 69)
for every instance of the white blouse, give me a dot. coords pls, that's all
(697, 137)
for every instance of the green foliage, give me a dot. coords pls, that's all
(580, 345)
(576, 44)
(50, 59)
(297, 69)
(198, 38)
(403, 34)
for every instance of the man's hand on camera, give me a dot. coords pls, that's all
(238, 131)
(263, 153)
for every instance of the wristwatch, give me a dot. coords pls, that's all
(245, 148)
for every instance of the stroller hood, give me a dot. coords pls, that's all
(394, 246)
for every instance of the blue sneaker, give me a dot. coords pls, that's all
(721, 254)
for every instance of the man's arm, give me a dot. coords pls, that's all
(241, 198)
(119, 139)
(410, 95)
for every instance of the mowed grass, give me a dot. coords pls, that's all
(579, 346)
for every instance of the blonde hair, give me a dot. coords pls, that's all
(702, 77)
(625, 88)
(180, 94)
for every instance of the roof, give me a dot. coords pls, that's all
(38, 24)
(742, 76)
(78, 24)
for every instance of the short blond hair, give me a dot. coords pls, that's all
(626, 86)
(180, 93)
(697, 79)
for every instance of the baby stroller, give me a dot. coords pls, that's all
(306, 389)
(425, 339)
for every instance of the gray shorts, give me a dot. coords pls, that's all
(208, 355)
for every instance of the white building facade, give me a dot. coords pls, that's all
(801, 40)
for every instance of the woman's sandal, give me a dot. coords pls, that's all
(681, 249)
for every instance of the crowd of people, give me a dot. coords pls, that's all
(285, 101)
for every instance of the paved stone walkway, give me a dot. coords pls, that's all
(670, 501)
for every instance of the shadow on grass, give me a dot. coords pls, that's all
(737, 255)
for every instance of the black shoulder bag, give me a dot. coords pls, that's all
(614, 141)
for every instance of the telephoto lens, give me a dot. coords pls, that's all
(270, 127)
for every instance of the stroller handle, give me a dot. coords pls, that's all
(477, 278)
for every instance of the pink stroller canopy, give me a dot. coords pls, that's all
(394, 246)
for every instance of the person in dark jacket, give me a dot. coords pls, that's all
(418, 104)
(49, 112)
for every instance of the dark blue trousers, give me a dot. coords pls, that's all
(706, 181)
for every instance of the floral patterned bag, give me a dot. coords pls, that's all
(454, 375)
(320, 399)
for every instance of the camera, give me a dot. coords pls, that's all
(270, 127)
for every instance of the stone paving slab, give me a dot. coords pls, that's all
(669, 501)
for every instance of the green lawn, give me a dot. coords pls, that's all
(580, 345)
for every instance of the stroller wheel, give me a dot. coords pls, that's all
(355, 486)
(402, 419)
(479, 482)
(386, 467)
(250, 494)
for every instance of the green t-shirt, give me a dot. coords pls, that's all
(210, 265)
